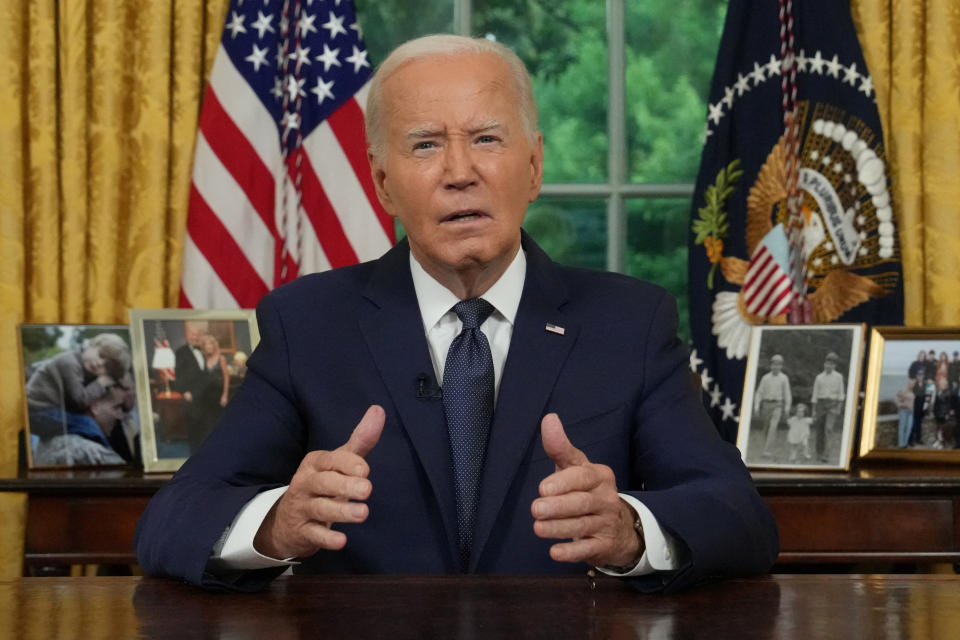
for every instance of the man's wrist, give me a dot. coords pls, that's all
(636, 526)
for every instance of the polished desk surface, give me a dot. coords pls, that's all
(484, 607)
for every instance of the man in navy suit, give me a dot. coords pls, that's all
(335, 454)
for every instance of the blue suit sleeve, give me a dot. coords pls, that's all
(693, 481)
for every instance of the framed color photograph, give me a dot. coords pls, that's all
(911, 406)
(80, 395)
(188, 364)
(800, 396)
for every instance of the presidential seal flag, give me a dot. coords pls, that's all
(281, 185)
(792, 217)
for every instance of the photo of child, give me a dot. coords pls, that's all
(798, 435)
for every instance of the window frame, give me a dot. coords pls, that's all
(618, 189)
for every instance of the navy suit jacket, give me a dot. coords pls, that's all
(334, 343)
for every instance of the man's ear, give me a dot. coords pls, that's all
(536, 168)
(379, 176)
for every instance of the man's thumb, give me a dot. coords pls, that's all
(557, 445)
(367, 433)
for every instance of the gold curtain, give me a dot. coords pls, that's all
(911, 50)
(98, 117)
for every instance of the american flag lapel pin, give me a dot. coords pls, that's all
(552, 328)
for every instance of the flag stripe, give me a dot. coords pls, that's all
(223, 253)
(344, 190)
(324, 219)
(348, 126)
(234, 151)
(775, 296)
(226, 200)
(312, 258)
(759, 278)
(203, 282)
(246, 110)
(761, 260)
(764, 281)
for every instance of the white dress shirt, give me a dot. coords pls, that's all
(441, 325)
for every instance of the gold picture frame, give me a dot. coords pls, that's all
(187, 364)
(775, 432)
(890, 428)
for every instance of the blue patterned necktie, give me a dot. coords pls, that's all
(468, 404)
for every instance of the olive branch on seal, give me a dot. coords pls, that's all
(712, 225)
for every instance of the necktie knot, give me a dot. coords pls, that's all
(473, 312)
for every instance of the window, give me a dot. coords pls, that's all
(622, 89)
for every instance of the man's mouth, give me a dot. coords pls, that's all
(467, 214)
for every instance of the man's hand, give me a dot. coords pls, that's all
(321, 493)
(580, 501)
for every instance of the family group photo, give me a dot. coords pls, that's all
(916, 403)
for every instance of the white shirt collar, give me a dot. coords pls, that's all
(436, 300)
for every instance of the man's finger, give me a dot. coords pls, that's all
(580, 527)
(337, 484)
(323, 537)
(582, 550)
(327, 510)
(581, 477)
(557, 445)
(365, 437)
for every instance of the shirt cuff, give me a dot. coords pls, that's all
(234, 551)
(659, 553)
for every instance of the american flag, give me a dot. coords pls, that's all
(281, 185)
(766, 288)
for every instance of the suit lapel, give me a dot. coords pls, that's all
(394, 334)
(534, 360)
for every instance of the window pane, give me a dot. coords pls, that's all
(657, 247)
(388, 23)
(564, 45)
(571, 230)
(671, 50)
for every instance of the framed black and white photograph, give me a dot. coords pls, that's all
(912, 398)
(189, 363)
(800, 396)
(80, 396)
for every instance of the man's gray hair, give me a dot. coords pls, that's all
(445, 45)
(113, 350)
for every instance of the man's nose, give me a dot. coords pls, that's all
(458, 165)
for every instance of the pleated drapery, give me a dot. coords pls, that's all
(98, 116)
(911, 49)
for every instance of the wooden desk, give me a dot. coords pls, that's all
(880, 515)
(82, 516)
(784, 607)
(891, 514)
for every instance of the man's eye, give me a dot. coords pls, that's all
(426, 144)
(486, 139)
